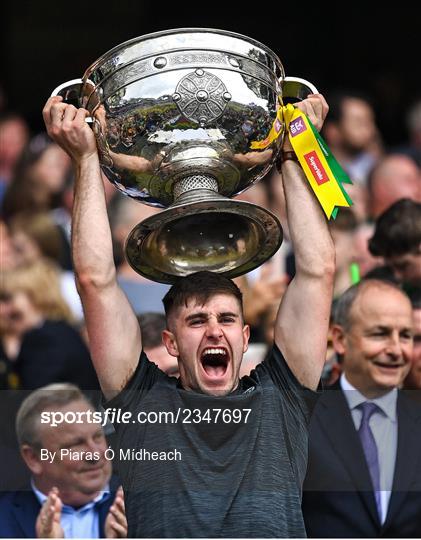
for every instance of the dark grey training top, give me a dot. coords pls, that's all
(233, 473)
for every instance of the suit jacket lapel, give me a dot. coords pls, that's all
(339, 428)
(103, 508)
(26, 509)
(408, 452)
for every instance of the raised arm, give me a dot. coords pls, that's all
(114, 334)
(303, 318)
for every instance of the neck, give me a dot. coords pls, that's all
(370, 392)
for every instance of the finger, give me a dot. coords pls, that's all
(46, 112)
(81, 115)
(119, 501)
(121, 530)
(317, 106)
(50, 501)
(118, 513)
(324, 103)
(47, 516)
(57, 113)
(69, 115)
(313, 109)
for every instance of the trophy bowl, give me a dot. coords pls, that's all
(177, 116)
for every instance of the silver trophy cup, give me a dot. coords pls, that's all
(177, 116)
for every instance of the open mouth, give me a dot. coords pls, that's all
(214, 361)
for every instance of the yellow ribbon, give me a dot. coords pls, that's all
(313, 156)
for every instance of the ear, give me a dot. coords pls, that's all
(246, 337)
(31, 457)
(168, 339)
(338, 339)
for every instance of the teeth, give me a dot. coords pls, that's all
(214, 351)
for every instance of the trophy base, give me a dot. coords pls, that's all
(204, 231)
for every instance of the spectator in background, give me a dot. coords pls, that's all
(413, 379)
(35, 236)
(50, 349)
(264, 286)
(364, 474)
(413, 121)
(14, 135)
(9, 340)
(343, 230)
(7, 251)
(70, 495)
(397, 238)
(394, 177)
(262, 291)
(144, 295)
(38, 179)
(152, 325)
(351, 132)
(365, 260)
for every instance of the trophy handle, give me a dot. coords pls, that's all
(74, 92)
(295, 89)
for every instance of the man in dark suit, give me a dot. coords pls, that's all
(69, 495)
(364, 472)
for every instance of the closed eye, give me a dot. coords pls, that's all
(379, 333)
(196, 322)
(227, 320)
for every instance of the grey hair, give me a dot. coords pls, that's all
(341, 314)
(28, 416)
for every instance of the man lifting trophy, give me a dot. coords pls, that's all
(184, 120)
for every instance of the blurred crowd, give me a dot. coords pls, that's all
(42, 335)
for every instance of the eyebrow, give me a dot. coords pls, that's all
(204, 315)
(80, 440)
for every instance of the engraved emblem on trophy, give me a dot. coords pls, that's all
(175, 114)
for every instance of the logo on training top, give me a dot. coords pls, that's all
(297, 126)
(316, 168)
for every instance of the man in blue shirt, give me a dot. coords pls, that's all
(70, 495)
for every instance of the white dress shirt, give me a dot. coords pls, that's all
(384, 426)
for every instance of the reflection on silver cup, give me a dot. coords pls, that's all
(175, 114)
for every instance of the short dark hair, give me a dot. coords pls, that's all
(201, 286)
(336, 101)
(345, 221)
(415, 297)
(343, 305)
(398, 230)
(152, 324)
